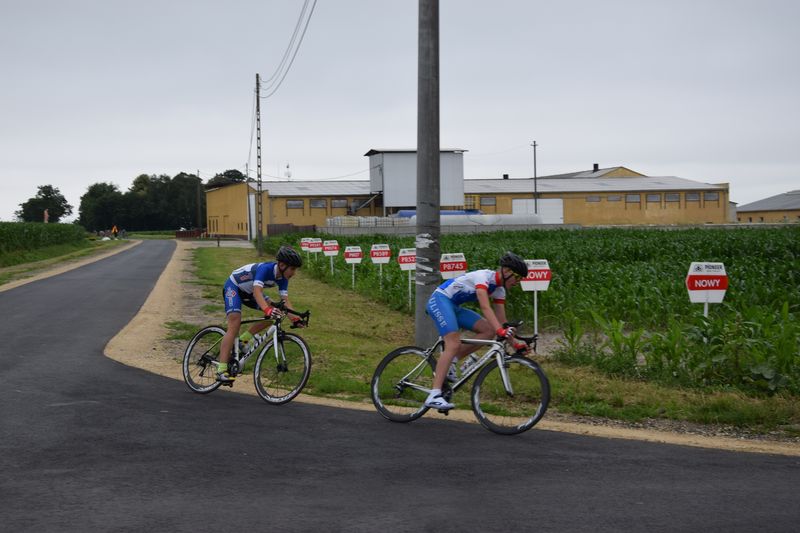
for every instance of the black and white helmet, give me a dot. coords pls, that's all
(288, 256)
(515, 263)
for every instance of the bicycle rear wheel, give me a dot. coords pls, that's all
(505, 413)
(401, 383)
(201, 358)
(280, 376)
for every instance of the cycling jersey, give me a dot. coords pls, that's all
(463, 288)
(444, 305)
(238, 288)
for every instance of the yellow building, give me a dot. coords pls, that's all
(610, 196)
(231, 209)
(775, 209)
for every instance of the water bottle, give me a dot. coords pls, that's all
(468, 362)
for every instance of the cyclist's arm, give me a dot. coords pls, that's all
(486, 308)
(258, 294)
(500, 312)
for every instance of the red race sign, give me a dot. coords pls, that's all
(706, 282)
(452, 265)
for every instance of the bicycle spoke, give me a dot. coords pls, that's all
(503, 412)
(280, 374)
(401, 383)
(200, 360)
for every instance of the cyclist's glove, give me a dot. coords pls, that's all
(296, 320)
(520, 347)
(272, 312)
(505, 332)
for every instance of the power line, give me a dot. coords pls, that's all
(286, 71)
(289, 46)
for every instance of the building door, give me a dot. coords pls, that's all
(550, 209)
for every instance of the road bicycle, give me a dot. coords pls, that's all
(281, 369)
(510, 394)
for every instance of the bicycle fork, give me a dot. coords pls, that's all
(503, 367)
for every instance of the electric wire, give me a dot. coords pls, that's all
(294, 55)
(288, 47)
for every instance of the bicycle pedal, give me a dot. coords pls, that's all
(227, 383)
(445, 412)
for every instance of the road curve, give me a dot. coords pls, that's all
(91, 445)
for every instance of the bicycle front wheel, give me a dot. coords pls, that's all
(401, 383)
(201, 358)
(281, 374)
(513, 412)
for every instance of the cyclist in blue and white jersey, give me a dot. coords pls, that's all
(444, 307)
(246, 286)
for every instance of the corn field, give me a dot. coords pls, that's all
(618, 296)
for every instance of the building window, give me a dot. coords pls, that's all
(592, 198)
(295, 204)
(614, 198)
(654, 197)
(322, 204)
(338, 203)
(488, 200)
(711, 196)
(672, 197)
(692, 196)
(633, 198)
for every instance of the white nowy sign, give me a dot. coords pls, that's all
(539, 275)
(706, 283)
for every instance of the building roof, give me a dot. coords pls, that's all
(600, 172)
(499, 186)
(576, 184)
(373, 151)
(782, 202)
(314, 188)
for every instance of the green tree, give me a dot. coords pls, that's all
(48, 197)
(226, 178)
(101, 207)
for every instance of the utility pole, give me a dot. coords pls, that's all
(199, 202)
(428, 198)
(259, 206)
(535, 188)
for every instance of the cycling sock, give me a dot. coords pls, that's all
(246, 336)
(223, 367)
(434, 393)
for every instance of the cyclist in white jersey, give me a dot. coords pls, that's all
(246, 286)
(444, 307)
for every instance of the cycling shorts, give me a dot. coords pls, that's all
(449, 317)
(234, 298)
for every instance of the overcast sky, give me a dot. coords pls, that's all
(105, 90)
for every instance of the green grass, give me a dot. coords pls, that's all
(25, 263)
(350, 333)
(181, 330)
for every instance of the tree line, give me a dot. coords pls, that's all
(153, 202)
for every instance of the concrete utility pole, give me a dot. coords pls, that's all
(259, 206)
(535, 188)
(200, 221)
(428, 226)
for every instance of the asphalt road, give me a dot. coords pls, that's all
(91, 445)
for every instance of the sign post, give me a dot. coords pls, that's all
(538, 279)
(331, 249)
(706, 283)
(353, 256)
(304, 245)
(407, 259)
(452, 265)
(315, 246)
(380, 255)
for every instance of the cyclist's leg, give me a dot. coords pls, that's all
(443, 313)
(250, 302)
(468, 319)
(233, 312)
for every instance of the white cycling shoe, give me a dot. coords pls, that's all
(438, 402)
